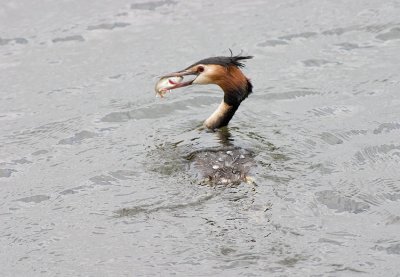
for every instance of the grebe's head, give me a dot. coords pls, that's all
(222, 71)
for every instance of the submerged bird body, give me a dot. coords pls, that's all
(224, 72)
(223, 166)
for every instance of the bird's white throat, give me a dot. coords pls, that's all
(221, 116)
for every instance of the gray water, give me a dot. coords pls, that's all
(94, 175)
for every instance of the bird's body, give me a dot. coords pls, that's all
(224, 72)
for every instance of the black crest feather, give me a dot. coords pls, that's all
(224, 61)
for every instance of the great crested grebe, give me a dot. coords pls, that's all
(226, 165)
(222, 71)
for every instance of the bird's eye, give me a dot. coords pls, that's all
(200, 69)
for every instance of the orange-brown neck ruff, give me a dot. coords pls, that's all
(236, 88)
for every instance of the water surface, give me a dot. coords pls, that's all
(94, 175)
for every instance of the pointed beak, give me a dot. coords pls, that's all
(181, 73)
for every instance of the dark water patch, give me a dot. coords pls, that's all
(348, 46)
(117, 117)
(373, 28)
(173, 166)
(292, 261)
(54, 91)
(389, 183)
(318, 63)
(272, 43)
(275, 178)
(241, 260)
(6, 172)
(78, 138)
(301, 35)
(34, 199)
(387, 127)
(69, 38)
(376, 153)
(123, 174)
(394, 33)
(140, 113)
(330, 241)
(324, 169)
(393, 249)
(391, 196)
(293, 94)
(151, 5)
(393, 219)
(114, 77)
(227, 251)
(351, 133)
(376, 28)
(149, 209)
(340, 203)
(388, 189)
(330, 110)
(330, 138)
(341, 268)
(338, 31)
(264, 146)
(122, 14)
(158, 110)
(40, 152)
(10, 116)
(73, 190)
(103, 180)
(373, 200)
(20, 40)
(21, 161)
(108, 26)
(343, 234)
(5, 41)
(43, 132)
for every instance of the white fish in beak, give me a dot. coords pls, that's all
(166, 83)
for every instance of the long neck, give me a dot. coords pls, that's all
(222, 115)
(236, 88)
